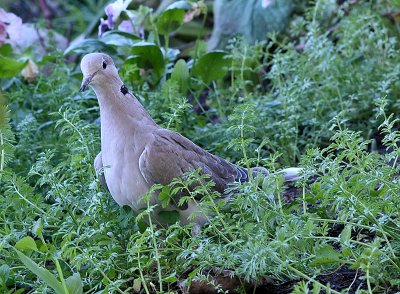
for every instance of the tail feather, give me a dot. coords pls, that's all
(255, 171)
(291, 174)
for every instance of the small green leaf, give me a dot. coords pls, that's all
(41, 273)
(118, 38)
(345, 235)
(74, 284)
(325, 255)
(165, 196)
(171, 278)
(346, 252)
(211, 66)
(316, 288)
(6, 50)
(170, 20)
(38, 228)
(180, 4)
(10, 67)
(249, 19)
(148, 55)
(89, 46)
(169, 217)
(125, 216)
(180, 74)
(26, 243)
(4, 274)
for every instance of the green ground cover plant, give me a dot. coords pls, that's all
(324, 96)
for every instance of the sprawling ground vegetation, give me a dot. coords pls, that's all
(323, 95)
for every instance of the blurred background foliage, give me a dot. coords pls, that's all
(322, 57)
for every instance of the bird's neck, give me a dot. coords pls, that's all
(122, 109)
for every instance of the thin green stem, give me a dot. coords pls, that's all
(24, 198)
(60, 273)
(2, 156)
(155, 30)
(166, 46)
(133, 26)
(220, 110)
(369, 216)
(242, 70)
(368, 274)
(243, 146)
(305, 276)
(105, 276)
(314, 19)
(394, 161)
(77, 131)
(221, 219)
(157, 257)
(141, 275)
(209, 219)
(212, 223)
(304, 200)
(196, 48)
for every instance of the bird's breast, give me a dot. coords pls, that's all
(121, 150)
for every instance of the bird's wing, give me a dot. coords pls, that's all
(169, 155)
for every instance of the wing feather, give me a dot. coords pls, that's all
(169, 155)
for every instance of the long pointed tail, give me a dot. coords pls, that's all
(291, 173)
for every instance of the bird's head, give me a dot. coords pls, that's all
(97, 69)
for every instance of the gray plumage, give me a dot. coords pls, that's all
(137, 153)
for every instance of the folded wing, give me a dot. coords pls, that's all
(169, 155)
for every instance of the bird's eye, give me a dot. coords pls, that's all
(104, 65)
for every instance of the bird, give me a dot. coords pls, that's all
(137, 153)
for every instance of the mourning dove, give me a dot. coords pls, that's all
(137, 153)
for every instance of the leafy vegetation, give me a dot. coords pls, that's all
(325, 97)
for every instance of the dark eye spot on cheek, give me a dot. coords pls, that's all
(124, 89)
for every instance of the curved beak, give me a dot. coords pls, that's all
(86, 81)
(84, 86)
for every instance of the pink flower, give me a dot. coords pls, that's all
(195, 11)
(113, 11)
(126, 26)
(3, 33)
(22, 36)
(103, 27)
(11, 27)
